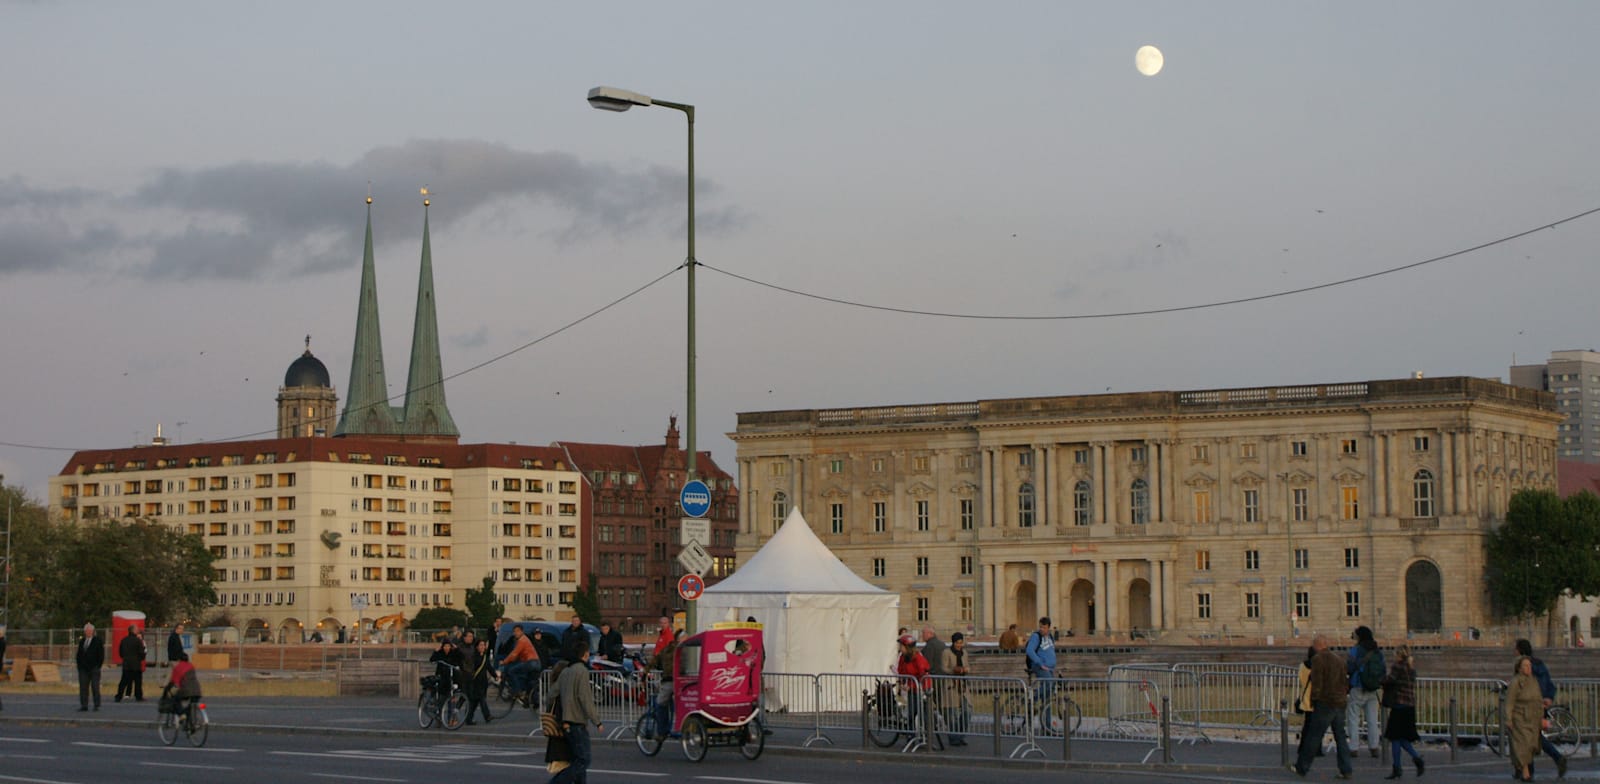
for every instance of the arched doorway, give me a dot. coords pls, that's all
(1139, 605)
(1081, 600)
(257, 630)
(1424, 598)
(1572, 632)
(1025, 604)
(291, 630)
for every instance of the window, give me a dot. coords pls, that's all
(964, 608)
(880, 567)
(1419, 443)
(1252, 506)
(880, 516)
(1080, 456)
(1352, 604)
(1252, 560)
(966, 565)
(1347, 446)
(1138, 454)
(1080, 503)
(1297, 448)
(923, 520)
(780, 508)
(835, 466)
(836, 518)
(967, 514)
(1352, 558)
(1349, 502)
(922, 609)
(1025, 505)
(1139, 502)
(919, 464)
(1202, 560)
(1247, 450)
(1202, 506)
(1025, 458)
(1422, 493)
(1302, 558)
(922, 566)
(1202, 453)
(780, 469)
(1252, 605)
(1202, 606)
(1301, 503)
(877, 465)
(1302, 604)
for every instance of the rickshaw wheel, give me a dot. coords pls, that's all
(752, 739)
(644, 732)
(694, 738)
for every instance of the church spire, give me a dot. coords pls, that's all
(366, 409)
(425, 411)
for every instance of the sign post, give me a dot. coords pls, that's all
(695, 499)
(360, 603)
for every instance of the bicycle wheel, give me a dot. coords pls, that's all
(505, 700)
(1493, 733)
(694, 738)
(455, 711)
(167, 728)
(1563, 730)
(427, 709)
(1014, 715)
(644, 733)
(1060, 712)
(884, 724)
(752, 739)
(198, 727)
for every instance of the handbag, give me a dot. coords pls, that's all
(550, 722)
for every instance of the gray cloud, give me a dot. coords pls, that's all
(264, 220)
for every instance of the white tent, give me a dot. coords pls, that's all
(819, 616)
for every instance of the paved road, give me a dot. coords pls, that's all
(45, 739)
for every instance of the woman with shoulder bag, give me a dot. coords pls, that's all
(1400, 697)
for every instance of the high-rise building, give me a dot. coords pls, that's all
(1574, 378)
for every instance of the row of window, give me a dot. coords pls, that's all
(963, 609)
(922, 566)
(1302, 559)
(1422, 502)
(1252, 605)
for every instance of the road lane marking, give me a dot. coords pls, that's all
(29, 756)
(354, 755)
(27, 780)
(745, 781)
(25, 740)
(92, 744)
(591, 770)
(348, 777)
(179, 765)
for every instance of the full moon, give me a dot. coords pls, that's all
(1148, 60)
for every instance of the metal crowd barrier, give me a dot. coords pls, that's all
(1240, 695)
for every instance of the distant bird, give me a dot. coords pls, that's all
(1158, 244)
(1319, 212)
(1013, 235)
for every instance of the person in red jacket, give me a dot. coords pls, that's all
(913, 665)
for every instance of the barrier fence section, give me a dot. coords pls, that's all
(794, 701)
(1239, 695)
(1135, 700)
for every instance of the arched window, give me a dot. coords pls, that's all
(1025, 505)
(780, 509)
(1422, 494)
(1139, 502)
(1081, 514)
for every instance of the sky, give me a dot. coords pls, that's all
(182, 190)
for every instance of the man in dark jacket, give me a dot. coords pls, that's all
(175, 644)
(131, 650)
(90, 658)
(1329, 693)
(1547, 690)
(570, 637)
(611, 645)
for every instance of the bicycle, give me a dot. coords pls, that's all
(645, 731)
(190, 719)
(507, 698)
(1561, 727)
(440, 700)
(890, 718)
(1053, 710)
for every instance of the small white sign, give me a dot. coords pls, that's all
(358, 602)
(695, 559)
(694, 529)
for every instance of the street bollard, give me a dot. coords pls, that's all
(1066, 730)
(1451, 717)
(1283, 731)
(1594, 721)
(994, 705)
(1166, 729)
(866, 708)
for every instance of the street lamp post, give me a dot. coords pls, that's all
(613, 99)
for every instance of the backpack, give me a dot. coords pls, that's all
(1033, 644)
(1372, 670)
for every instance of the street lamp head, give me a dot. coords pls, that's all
(613, 99)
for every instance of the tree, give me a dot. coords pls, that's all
(1546, 547)
(586, 602)
(483, 606)
(431, 618)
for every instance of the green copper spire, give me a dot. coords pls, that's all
(425, 412)
(366, 406)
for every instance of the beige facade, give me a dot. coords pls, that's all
(1200, 513)
(300, 528)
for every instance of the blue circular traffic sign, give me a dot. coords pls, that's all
(695, 498)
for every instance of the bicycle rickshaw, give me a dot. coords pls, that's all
(716, 694)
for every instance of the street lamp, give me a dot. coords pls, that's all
(613, 99)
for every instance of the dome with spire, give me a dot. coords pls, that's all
(307, 371)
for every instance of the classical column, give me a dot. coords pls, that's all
(1458, 441)
(1223, 493)
(1045, 592)
(747, 494)
(1158, 480)
(1114, 596)
(1042, 455)
(986, 482)
(1389, 475)
(1114, 501)
(991, 576)
(1158, 590)
(1447, 480)
(1100, 463)
(1100, 596)
(1377, 468)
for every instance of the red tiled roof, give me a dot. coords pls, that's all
(320, 450)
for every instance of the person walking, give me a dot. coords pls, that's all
(953, 695)
(131, 650)
(1547, 692)
(578, 711)
(174, 645)
(91, 656)
(1329, 691)
(1365, 666)
(1524, 718)
(936, 652)
(1010, 640)
(475, 662)
(1400, 696)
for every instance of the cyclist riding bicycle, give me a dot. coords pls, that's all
(183, 685)
(1040, 651)
(521, 665)
(913, 664)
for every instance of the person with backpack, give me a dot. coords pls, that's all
(1366, 668)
